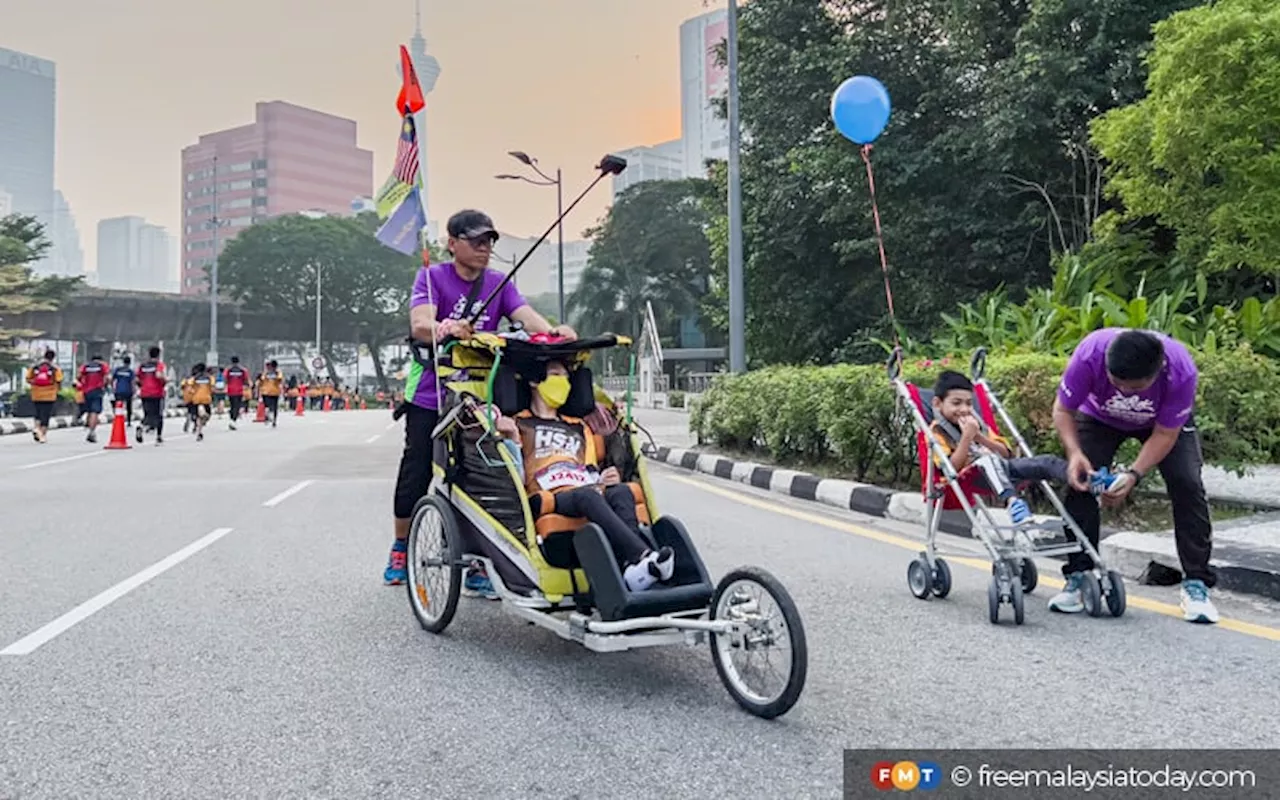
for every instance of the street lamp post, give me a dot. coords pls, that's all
(212, 357)
(557, 182)
(737, 300)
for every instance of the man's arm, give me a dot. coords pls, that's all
(422, 323)
(1158, 445)
(534, 322)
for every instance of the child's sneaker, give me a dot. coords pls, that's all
(1100, 482)
(1019, 511)
(654, 566)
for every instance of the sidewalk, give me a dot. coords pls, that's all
(1246, 551)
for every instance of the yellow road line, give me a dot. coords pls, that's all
(915, 546)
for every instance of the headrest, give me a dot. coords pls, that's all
(513, 394)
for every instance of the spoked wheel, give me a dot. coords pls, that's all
(941, 578)
(1116, 600)
(918, 578)
(1091, 594)
(435, 574)
(764, 666)
(1030, 576)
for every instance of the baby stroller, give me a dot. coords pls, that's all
(1010, 547)
(560, 573)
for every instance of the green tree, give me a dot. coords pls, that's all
(1198, 154)
(272, 266)
(651, 247)
(22, 243)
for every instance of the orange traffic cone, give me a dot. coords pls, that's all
(262, 412)
(300, 404)
(118, 439)
(363, 407)
(326, 406)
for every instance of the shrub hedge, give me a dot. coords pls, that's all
(846, 417)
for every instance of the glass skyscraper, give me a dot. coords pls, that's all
(28, 122)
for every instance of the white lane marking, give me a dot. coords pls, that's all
(373, 438)
(287, 493)
(392, 425)
(62, 460)
(29, 643)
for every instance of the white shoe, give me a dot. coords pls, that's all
(665, 562)
(1071, 599)
(651, 568)
(1196, 605)
(637, 576)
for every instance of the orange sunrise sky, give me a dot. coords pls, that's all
(565, 80)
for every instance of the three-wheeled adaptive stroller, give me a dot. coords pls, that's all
(1010, 547)
(560, 573)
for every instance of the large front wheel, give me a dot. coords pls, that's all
(434, 563)
(764, 665)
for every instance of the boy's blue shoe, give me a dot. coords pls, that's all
(1100, 482)
(478, 584)
(1019, 511)
(396, 573)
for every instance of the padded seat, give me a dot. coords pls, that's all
(551, 526)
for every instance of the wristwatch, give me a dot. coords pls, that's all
(1137, 476)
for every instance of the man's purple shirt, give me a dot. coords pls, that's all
(1085, 387)
(448, 292)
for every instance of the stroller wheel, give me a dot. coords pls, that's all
(941, 578)
(1016, 600)
(918, 578)
(1115, 595)
(1091, 594)
(1030, 576)
(993, 600)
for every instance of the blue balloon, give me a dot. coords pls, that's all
(860, 109)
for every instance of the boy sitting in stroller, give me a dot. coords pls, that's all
(966, 440)
(560, 460)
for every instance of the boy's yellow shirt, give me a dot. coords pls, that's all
(948, 447)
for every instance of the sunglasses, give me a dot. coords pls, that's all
(483, 240)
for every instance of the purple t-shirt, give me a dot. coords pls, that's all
(1168, 402)
(448, 292)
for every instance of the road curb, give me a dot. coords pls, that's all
(9, 427)
(1240, 568)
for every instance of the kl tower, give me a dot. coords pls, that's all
(428, 70)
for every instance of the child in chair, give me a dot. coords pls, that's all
(966, 440)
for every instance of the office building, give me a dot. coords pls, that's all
(702, 81)
(660, 162)
(67, 256)
(28, 126)
(290, 159)
(133, 254)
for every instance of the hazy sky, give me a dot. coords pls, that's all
(565, 80)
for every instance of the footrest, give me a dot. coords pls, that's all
(689, 589)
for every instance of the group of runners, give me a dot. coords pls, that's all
(203, 390)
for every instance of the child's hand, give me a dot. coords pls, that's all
(969, 426)
(610, 476)
(507, 427)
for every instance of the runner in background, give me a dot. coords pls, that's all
(203, 382)
(270, 384)
(92, 381)
(123, 385)
(188, 388)
(45, 379)
(219, 388)
(236, 379)
(151, 385)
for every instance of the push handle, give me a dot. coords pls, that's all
(978, 366)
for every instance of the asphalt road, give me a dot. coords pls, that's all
(269, 661)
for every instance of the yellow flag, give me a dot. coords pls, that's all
(390, 196)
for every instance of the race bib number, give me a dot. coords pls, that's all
(562, 476)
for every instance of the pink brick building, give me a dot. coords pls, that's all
(290, 159)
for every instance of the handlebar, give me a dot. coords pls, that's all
(894, 365)
(978, 366)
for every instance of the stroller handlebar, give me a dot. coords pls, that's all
(894, 365)
(978, 366)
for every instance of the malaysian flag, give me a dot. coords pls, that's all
(406, 168)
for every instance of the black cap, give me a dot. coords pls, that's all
(471, 224)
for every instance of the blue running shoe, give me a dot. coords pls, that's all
(478, 584)
(1019, 511)
(1100, 482)
(396, 573)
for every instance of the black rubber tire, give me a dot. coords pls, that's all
(941, 578)
(993, 600)
(452, 554)
(918, 580)
(795, 629)
(1030, 576)
(1116, 600)
(1017, 600)
(1091, 594)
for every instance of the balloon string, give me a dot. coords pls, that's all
(884, 261)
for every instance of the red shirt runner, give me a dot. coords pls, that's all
(152, 379)
(93, 377)
(236, 376)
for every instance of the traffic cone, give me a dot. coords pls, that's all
(262, 412)
(119, 441)
(363, 407)
(327, 406)
(300, 404)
